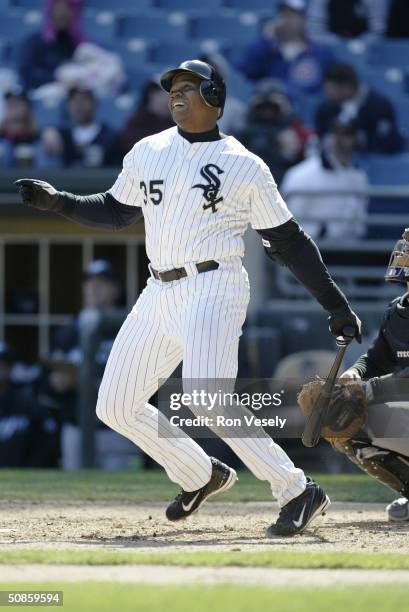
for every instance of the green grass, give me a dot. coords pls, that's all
(154, 486)
(282, 558)
(106, 597)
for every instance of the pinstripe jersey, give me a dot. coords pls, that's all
(197, 198)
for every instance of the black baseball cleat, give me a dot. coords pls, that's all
(187, 502)
(295, 516)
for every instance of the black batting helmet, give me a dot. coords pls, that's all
(212, 88)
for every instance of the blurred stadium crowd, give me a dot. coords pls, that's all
(318, 89)
(79, 78)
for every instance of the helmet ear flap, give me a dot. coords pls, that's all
(210, 93)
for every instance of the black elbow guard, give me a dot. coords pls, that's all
(271, 252)
(279, 242)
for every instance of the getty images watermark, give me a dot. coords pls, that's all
(200, 399)
(248, 408)
(227, 408)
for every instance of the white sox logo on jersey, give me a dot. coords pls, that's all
(211, 190)
(171, 179)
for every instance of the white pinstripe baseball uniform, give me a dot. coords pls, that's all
(197, 199)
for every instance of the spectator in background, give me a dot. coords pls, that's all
(331, 172)
(347, 18)
(85, 141)
(285, 52)
(272, 130)
(151, 116)
(398, 19)
(375, 116)
(18, 131)
(101, 293)
(28, 433)
(42, 52)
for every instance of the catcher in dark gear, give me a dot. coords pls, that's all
(368, 418)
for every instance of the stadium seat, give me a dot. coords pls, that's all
(390, 231)
(5, 50)
(15, 26)
(346, 50)
(305, 108)
(99, 28)
(401, 104)
(173, 53)
(381, 80)
(390, 53)
(134, 53)
(116, 111)
(234, 51)
(224, 28)
(239, 86)
(186, 5)
(118, 5)
(138, 75)
(26, 4)
(387, 169)
(151, 27)
(47, 115)
(253, 5)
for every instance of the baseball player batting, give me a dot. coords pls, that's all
(197, 190)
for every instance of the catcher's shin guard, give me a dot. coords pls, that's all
(390, 468)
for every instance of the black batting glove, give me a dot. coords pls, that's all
(38, 194)
(344, 318)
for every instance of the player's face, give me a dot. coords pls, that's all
(186, 104)
(184, 97)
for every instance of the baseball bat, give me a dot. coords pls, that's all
(316, 419)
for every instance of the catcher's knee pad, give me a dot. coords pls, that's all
(390, 468)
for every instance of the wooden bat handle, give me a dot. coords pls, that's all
(312, 430)
(313, 426)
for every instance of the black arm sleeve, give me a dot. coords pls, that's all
(98, 210)
(292, 247)
(377, 361)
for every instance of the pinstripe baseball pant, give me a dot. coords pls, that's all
(197, 319)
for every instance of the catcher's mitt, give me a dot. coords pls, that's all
(347, 408)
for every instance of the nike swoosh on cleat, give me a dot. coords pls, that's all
(189, 506)
(299, 522)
